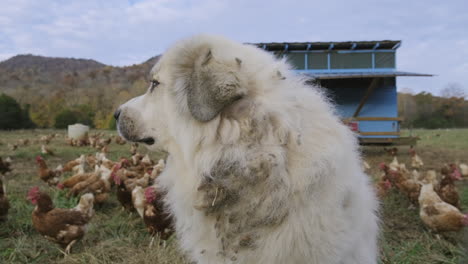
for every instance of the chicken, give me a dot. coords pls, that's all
(392, 151)
(97, 182)
(134, 148)
(5, 165)
(139, 200)
(394, 165)
(157, 169)
(431, 176)
(119, 140)
(415, 175)
(47, 175)
(91, 160)
(102, 159)
(46, 151)
(124, 196)
(447, 190)
(365, 165)
(438, 215)
(75, 179)
(69, 166)
(143, 182)
(12, 147)
(101, 143)
(46, 139)
(92, 141)
(105, 149)
(382, 187)
(464, 169)
(4, 204)
(403, 182)
(156, 217)
(23, 142)
(416, 161)
(137, 158)
(62, 226)
(102, 186)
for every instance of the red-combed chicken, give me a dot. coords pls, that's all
(437, 214)
(4, 204)
(157, 219)
(403, 182)
(62, 226)
(382, 187)
(46, 174)
(447, 190)
(124, 196)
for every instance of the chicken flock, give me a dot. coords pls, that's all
(434, 192)
(92, 178)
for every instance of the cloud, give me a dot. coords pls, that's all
(122, 32)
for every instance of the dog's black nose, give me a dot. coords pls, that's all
(117, 114)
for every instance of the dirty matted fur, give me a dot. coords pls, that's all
(260, 169)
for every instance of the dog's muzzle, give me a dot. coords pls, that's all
(126, 129)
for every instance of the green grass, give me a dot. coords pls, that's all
(116, 236)
(440, 138)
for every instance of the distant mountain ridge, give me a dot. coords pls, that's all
(53, 64)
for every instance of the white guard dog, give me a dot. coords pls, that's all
(260, 169)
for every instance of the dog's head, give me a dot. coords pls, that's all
(192, 84)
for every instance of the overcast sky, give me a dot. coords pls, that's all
(124, 32)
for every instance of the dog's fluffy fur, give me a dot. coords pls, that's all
(260, 169)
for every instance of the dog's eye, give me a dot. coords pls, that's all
(154, 83)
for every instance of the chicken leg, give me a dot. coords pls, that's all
(68, 248)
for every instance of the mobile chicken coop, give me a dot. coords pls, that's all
(360, 77)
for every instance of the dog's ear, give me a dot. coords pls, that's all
(213, 85)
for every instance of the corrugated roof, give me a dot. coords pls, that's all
(335, 45)
(344, 75)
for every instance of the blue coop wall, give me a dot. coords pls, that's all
(347, 94)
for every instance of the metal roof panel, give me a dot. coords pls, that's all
(345, 75)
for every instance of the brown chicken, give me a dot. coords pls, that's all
(4, 204)
(437, 214)
(156, 217)
(382, 187)
(124, 196)
(5, 165)
(119, 140)
(62, 226)
(74, 163)
(447, 190)
(46, 174)
(403, 182)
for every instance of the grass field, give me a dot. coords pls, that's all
(116, 236)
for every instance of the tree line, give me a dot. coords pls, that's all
(424, 110)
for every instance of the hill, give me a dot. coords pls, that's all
(48, 64)
(51, 85)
